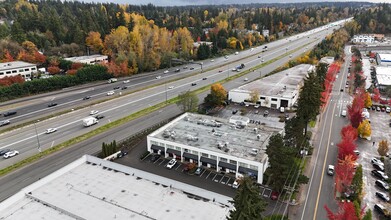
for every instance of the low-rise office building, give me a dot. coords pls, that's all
(383, 77)
(363, 38)
(92, 188)
(278, 90)
(383, 59)
(92, 59)
(224, 145)
(15, 68)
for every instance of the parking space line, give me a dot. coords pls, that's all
(161, 162)
(208, 175)
(178, 166)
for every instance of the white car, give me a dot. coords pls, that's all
(256, 106)
(165, 71)
(171, 164)
(245, 79)
(110, 93)
(158, 77)
(170, 87)
(377, 161)
(236, 184)
(50, 130)
(94, 112)
(126, 81)
(330, 170)
(212, 60)
(11, 154)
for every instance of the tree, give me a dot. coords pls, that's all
(346, 212)
(367, 100)
(254, 96)
(376, 95)
(349, 133)
(364, 129)
(247, 202)
(357, 185)
(216, 97)
(383, 148)
(368, 215)
(345, 148)
(94, 41)
(188, 101)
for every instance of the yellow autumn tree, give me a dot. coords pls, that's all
(117, 41)
(216, 97)
(29, 46)
(367, 100)
(94, 41)
(254, 96)
(383, 148)
(364, 129)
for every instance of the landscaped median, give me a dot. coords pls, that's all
(114, 123)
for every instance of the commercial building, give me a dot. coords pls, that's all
(383, 76)
(383, 59)
(17, 68)
(363, 38)
(92, 59)
(231, 146)
(278, 90)
(92, 188)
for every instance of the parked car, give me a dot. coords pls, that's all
(378, 166)
(87, 97)
(382, 185)
(330, 170)
(378, 109)
(171, 164)
(52, 104)
(50, 130)
(9, 113)
(5, 122)
(380, 209)
(4, 151)
(155, 157)
(357, 152)
(99, 117)
(234, 111)
(383, 196)
(375, 160)
(94, 112)
(379, 174)
(199, 171)
(11, 153)
(236, 184)
(388, 109)
(256, 106)
(265, 113)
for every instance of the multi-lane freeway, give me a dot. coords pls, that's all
(69, 125)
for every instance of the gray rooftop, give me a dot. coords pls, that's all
(282, 84)
(383, 75)
(92, 188)
(82, 58)
(15, 65)
(198, 131)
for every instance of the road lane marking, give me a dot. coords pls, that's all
(324, 167)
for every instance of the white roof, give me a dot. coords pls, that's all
(383, 75)
(385, 57)
(92, 188)
(85, 58)
(15, 65)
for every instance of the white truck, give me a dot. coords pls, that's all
(87, 122)
(112, 80)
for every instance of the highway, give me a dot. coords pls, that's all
(69, 125)
(321, 189)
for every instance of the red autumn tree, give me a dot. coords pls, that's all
(349, 133)
(9, 80)
(7, 57)
(344, 174)
(346, 212)
(39, 57)
(346, 148)
(53, 70)
(355, 109)
(76, 66)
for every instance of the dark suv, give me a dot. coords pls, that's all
(52, 104)
(9, 113)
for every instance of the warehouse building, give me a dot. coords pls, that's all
(15, 68)
(278, 90)
(92, 188)
(383, 59)
(92, 59)
(231, 146)
(383, 77)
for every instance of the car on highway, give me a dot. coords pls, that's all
(226, 57)
(170, 87)
(199, 171)
(220, 71)
(99, 116)
(177, 70)
(193, 84)
(379, 174)
(50, 130)
(117, 87)
(383, 196)
(94, 112)
(4, 151)
(124, 87)
(382, 185)
(52, 104)
(165, 71)
(126, 81)
(212, 60)
(158, 77)
(4, 123)
(87, 97)
(245, 79)
(9, 113)
(204, 78)
(171, 164)
(185, 67)
(110, 93)
(330, 170)
(11, 153)
(191, 68)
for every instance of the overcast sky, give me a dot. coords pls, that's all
(217, 2)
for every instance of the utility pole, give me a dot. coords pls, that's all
(36, 133)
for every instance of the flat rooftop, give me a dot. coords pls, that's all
(82, 58)
(92, 188)
(385, 57)
(15, 65)
(383, 75)
(282, 84)
(197, 131)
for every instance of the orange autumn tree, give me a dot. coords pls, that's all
(216, 97)
(94, 41)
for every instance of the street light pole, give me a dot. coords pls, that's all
(36, 133)
(165, 87)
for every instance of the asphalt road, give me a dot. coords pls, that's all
(69, 125)
(321, 187)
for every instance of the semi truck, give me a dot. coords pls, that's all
(87, 122)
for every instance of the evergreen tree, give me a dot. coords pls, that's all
(247, 202)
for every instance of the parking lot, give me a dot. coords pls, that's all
(381, 130)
